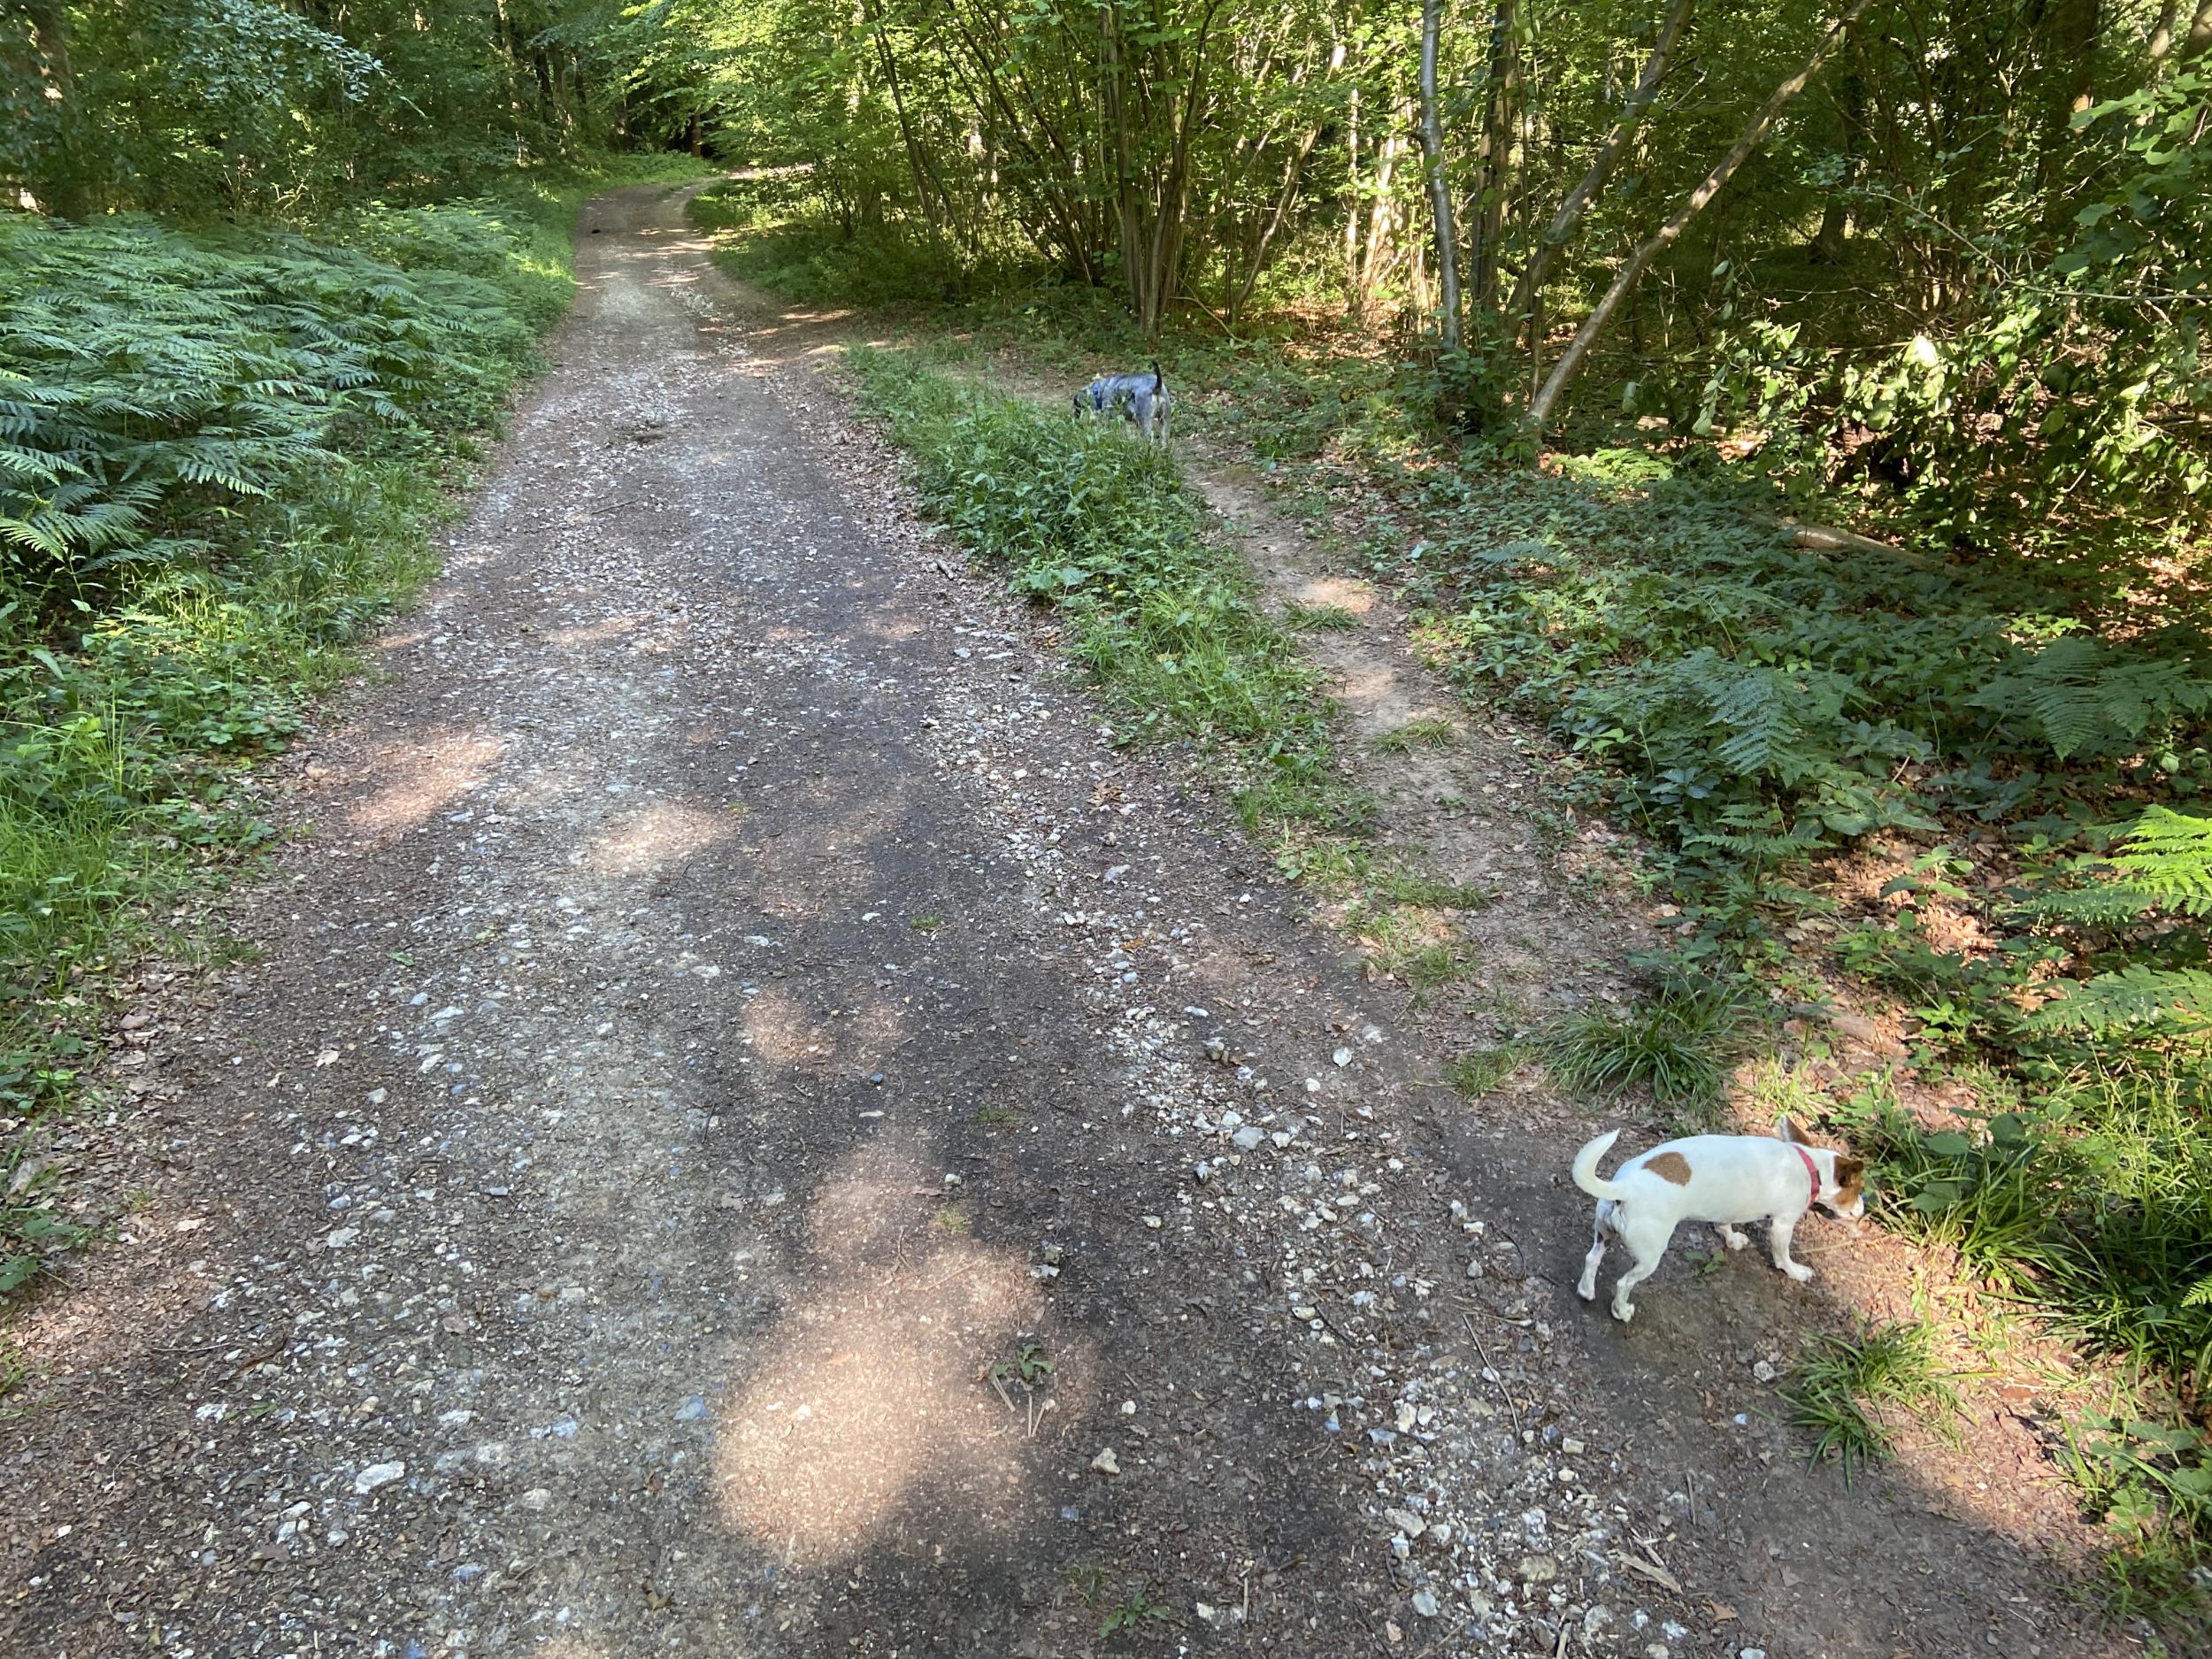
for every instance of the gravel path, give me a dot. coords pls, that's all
(755, 1131)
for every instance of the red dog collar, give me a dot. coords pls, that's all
(1811, 1169)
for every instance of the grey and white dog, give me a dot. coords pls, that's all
(1140, 399)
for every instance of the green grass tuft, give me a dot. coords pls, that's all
(1482, 1073)
(1319, 619)
(1849, 1388)
(1678, 1043)
(1428, 732)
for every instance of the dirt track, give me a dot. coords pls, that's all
(727, 1023)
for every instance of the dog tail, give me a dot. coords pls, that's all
(1586, 1169)
(1159, 381)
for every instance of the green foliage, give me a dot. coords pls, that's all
(212, 110)
(1850, 1391)
(148, 379)
(2152, 1484)
(2097, 1208)
(1678, 1043)
(1085, 518)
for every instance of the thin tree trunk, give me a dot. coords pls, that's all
(2162, 33)
(914, 164)
(1664, 237)
(1113, 95)
(1527, 291)
(1284, 198)
(1352, 295)
(1439, 188)
(2070, 30)
(1382, 221)
(64, 193)
(1496, 146)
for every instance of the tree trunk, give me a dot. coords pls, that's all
(1494, 155)
(2195, 43)
(1831, 242)
(1528, 290)
(2069, 52)
(1284, 198)
(1382, 221)
(914, 163)
(1439, 187)
(1664, 237)
(1112, 96)
(62, 194)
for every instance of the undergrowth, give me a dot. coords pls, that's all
(1094, 523)
(220, 452)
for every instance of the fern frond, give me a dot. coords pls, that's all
(2135, 995)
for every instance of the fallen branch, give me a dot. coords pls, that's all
(1823, 539)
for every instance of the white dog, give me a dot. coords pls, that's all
(1726, 1179)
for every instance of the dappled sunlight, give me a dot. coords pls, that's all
(653, 840)
(1340, 593)
(875, 1418)
(1372, 687)
(784, 1032)
(566, 1645)
(595, 633)
(413, 779)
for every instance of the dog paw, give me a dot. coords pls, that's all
(1798, 1271)
(1733, 1240)
(1587, 1290)
(1624, 1311)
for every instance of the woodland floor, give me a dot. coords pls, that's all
(725, 1018)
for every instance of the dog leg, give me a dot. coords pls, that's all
(1588, 1289)
(1733, 1238)
(1648, 1244)
(1779, 1232)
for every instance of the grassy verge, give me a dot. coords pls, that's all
(1972, 798)
(1099, 526)
(221, 453)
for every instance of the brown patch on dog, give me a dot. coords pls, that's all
(1670, 1166)
(1850, 1180)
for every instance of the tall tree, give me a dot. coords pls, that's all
(1444, 228)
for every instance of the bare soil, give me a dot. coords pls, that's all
(718, 1153)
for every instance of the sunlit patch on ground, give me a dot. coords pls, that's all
(417, 776)
(655, 840)
(595, 633)
(785, 1033)
(875, 1419)
(1342, 592)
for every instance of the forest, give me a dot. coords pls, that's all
(1799, 414)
